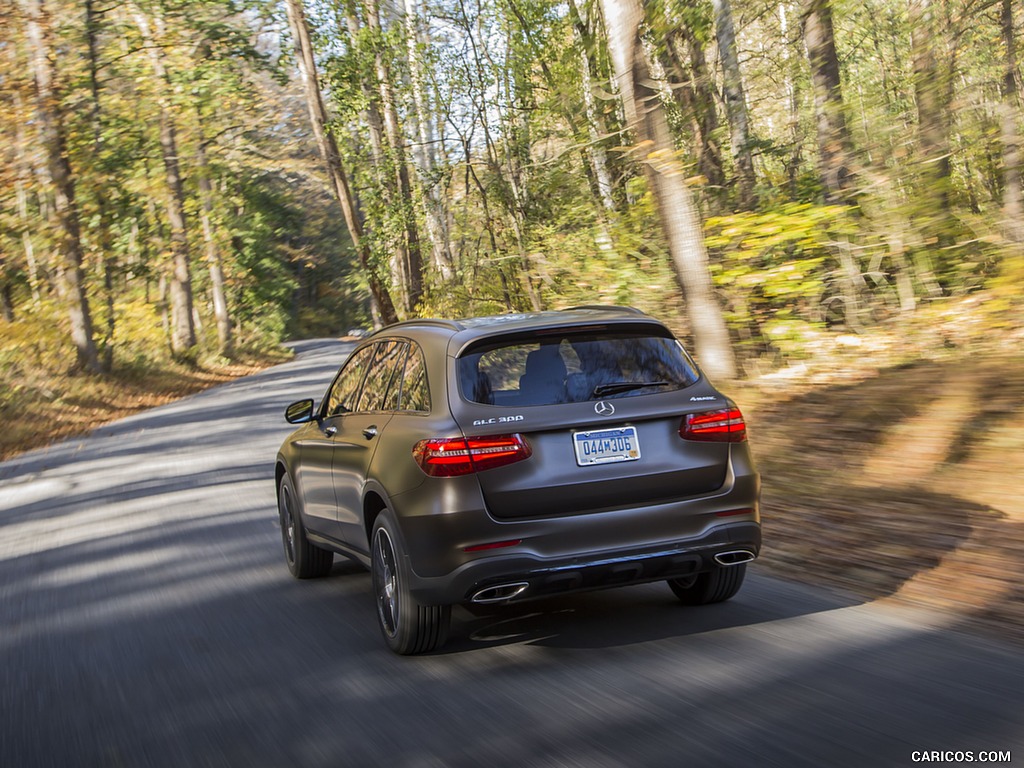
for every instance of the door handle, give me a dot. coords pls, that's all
(331, 431)
(370, 432)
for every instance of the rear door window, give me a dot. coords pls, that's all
(576, 367)
(383, 380)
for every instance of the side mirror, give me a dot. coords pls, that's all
(300, 412)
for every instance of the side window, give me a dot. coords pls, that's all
(415, 394)
(380, 389)
(342, 396)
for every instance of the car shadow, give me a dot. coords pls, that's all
(630, 615)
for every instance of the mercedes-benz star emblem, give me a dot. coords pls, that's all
(604, 408)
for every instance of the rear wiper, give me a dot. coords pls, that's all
(625, 386)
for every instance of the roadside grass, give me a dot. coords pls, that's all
(44, 400)
(63, 407)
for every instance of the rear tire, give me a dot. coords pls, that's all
(408, 626)
(714, 586)
(305, 560)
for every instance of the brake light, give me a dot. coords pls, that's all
(725, 426)
(453, 456)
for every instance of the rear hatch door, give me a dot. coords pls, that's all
(599, 440)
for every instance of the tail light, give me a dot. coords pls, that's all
(452, 456)
(724, 426)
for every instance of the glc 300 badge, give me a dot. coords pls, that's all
(604, 408)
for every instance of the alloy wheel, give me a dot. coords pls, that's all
(288, 525)
(385, 581)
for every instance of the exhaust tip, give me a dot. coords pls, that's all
(734, 557)
(500, 592)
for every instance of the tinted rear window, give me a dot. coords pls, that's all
(573, 368)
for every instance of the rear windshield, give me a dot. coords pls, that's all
(574, 368)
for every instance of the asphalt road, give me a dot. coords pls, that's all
(147, 619)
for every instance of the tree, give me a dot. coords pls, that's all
(424, 152)
(65, 212)
(331, 158)
(834, 144)
(735, 103)
(694, 89)
(597, 127)
(931, 92)
(104, 245)
(214, 258)
(646, 117)
(1013, 194)
(412, 268)
(183, 331)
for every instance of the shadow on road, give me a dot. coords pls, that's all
(620, 617)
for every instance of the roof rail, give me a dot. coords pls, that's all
(609, 308)
(452, 325)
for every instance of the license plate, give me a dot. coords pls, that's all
(605, 446)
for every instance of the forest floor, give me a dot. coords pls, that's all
(894, 469)
(892, 462)
(47, 412)
(905, 485)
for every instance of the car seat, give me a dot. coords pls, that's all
(543, 382)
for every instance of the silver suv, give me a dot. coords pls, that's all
(505, 458)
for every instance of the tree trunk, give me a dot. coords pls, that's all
(6, 301)
(600, 124)
(413, 264)
(510, 198)
(596, 154)
(834, 143)
(51, 129)
(163, 307)
(424, 155)
(331, 158)
(735, 103)
(214, 259)
(383, 176)
(646, 117)
(21, 186)
(793, 97)
(1013, 197)
(696, 98)
(930, 91)
(183, 330)
(106, 256)
(594, 159)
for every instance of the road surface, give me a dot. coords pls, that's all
(147, 619)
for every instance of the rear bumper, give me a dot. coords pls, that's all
(539, 576)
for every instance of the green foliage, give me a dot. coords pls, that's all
(139, 336)
(503, 92)
(262, 284)
(36, 354)
(34, 347)
(773, 268)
